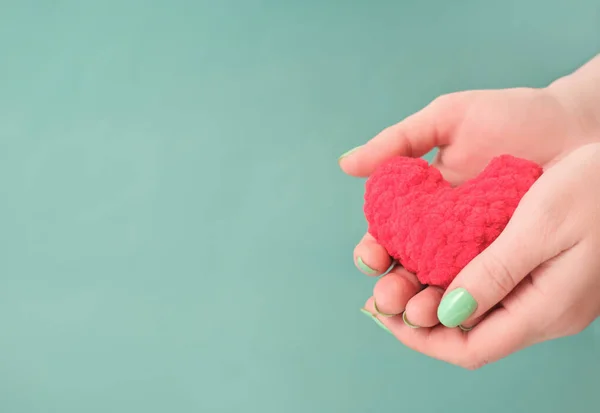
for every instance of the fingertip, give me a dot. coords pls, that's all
(421, 309)
(350, 162)
(393, 291)
(349, 152)
(361, 161)
(371, 258)
(369, 305)
(408, 322)
(375, 319)
(457, 306)
(365, 268)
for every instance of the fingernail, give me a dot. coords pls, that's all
(381, 313)
(408, 323)
(372, 317)
(456, 307)
(465, 329)
(365, 268)
(348, 153)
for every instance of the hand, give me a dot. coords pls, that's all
(470, 128)
(538, 281)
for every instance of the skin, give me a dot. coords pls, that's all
(540, 279)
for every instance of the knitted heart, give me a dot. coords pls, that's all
(434, 230)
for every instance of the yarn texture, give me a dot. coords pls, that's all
(433, 229)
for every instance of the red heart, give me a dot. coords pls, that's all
(433, 229)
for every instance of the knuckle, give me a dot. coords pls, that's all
(549, 212)
(499, 274)
(545, 217)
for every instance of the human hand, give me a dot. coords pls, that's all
(470, 128)
(538, 281)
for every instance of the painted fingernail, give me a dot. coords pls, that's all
(364, 267)
(348, 153)
(456, 307)
(372, 317)
(408, 323)
(391, 267)
(465, 329)
(381, 313)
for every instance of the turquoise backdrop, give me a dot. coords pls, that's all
(175, 233)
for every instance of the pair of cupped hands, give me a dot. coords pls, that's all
(540, 279)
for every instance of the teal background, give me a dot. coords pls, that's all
(175, 234)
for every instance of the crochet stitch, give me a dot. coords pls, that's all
(434, 230)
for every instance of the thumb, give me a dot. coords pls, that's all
(415, 136)
(494, 273)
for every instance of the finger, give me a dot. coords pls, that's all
(415, 136)
(498, 335)
(494, 273)
(487, 279)
(470, 324)
(393, 291)
(450, 175)
(370, 257)
(421, 339)
(421, 310)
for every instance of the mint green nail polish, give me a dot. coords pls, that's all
(365, 268)
(408, 323)
(381, 313)
(379, 323)
(348, 152)
(456, 307)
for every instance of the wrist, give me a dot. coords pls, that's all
(579, 94)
